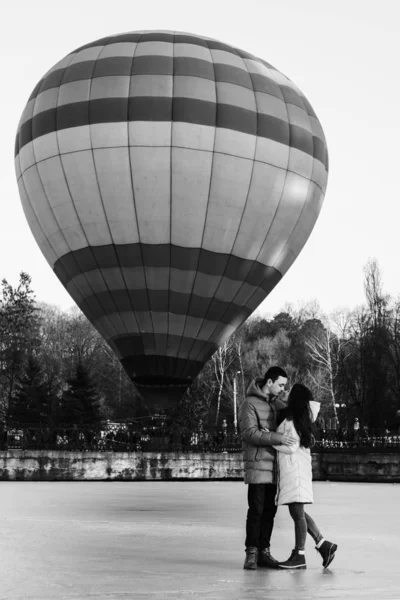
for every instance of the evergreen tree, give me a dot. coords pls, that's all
(80, 402)
(31, 402)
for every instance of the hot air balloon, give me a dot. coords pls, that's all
(170, 181)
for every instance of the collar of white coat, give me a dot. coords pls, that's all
(314, 407)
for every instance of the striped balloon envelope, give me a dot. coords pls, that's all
(170, 181)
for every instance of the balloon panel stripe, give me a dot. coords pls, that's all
(165, 255)
(212, 309)
(148, 366)
(160, 65)
(204, 285)
(125, 323)
(176, 38)
(143, 344)
(185, 85)
(186, 110)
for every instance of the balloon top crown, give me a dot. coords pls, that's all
(176, 54)
(170, 181)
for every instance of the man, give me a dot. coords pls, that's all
(257, 423)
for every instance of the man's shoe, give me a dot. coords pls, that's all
(266, 560)
(327, 551)
(295, 561)
(251, 558)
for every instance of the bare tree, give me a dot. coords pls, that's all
(324, 352)
(394, 352)
(377, 300)
(305, 311)
(222, 360)
(239, 350)
(52, 355)
(18, 334)
(265, 352)
(378, 341)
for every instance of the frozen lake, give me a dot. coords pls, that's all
(167, 540)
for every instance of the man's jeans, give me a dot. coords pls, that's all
(260, 515)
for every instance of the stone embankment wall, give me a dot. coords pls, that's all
(36, 465)
(116, 466)
(372, 467)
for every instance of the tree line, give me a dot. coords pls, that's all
(56, 368)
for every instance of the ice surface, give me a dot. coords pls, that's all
(174, 540)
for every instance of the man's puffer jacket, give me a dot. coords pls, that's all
(258, 411)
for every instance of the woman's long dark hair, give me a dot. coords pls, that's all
(298, 410)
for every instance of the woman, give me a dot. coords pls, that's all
(295, 476)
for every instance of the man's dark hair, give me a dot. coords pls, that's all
(273, 373)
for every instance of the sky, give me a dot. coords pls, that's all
(342, 54)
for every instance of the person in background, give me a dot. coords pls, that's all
(224, 428)
(356, 429)
(294, 485)
(257, 414)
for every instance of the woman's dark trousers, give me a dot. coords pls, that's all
(303, 524)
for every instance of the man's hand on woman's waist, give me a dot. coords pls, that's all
(288, 439)
(283, 439)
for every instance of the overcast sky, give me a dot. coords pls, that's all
(343, 55)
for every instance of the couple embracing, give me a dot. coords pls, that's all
(278, 469)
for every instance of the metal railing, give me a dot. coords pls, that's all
(134, 437)
(123, 438)
(348, 441)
